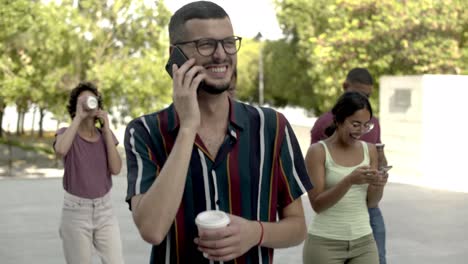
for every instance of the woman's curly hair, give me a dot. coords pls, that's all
(81, 87)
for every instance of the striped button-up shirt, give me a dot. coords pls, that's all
(259, 169)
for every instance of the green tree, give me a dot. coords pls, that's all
(247, 70)
(15, 19)
(46, 48)
(286, 78)
(127, 48)
(52, 48)
(388, 37)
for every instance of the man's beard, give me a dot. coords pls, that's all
(211, 89)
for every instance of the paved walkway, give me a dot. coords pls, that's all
(423, 225)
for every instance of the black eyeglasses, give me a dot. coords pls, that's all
(207, 46)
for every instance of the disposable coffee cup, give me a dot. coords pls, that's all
(211, 220)
(91, 103)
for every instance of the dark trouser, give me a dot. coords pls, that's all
(378, 229)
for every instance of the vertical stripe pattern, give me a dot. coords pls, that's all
(205, 180)
(215, 184)
(139, 162)
(291, 153)
(262, 157)
(168, 249)
(256, 173)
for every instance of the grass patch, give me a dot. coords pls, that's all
(31, 143)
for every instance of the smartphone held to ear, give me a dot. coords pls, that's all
(177, 57)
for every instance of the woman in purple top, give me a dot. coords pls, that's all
(90, 157)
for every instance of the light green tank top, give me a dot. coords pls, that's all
(348, 219)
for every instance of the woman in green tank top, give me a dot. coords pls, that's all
(343, 170)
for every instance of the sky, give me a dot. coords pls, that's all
(248, 16)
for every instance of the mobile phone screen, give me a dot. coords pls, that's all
(177, 57)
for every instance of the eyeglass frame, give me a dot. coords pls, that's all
(196, 41)
(366, 127)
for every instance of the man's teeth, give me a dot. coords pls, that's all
(218, 69)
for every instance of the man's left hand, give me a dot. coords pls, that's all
(225, 244)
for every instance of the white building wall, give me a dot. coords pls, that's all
(401, 123)
(424, 128)
(445, 129)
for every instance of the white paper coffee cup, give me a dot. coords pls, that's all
(91, 103)
(211, 219)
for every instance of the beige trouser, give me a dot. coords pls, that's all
(88, 224)
(319, 250)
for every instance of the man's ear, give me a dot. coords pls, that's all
(170, 49)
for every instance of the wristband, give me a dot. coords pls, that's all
(261, 234)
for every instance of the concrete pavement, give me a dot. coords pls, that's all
(423, 225)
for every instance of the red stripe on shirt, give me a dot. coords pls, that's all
(180, 232)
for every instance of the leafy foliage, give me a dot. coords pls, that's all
(388, 37)
(46, 48)
(247, 70)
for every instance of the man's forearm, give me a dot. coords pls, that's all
(288, 232)
(155, 212)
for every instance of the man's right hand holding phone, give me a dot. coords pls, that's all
(186, 80)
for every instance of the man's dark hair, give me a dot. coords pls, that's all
(81, 87)
(194, 10)
(360, 75)
(348, 104)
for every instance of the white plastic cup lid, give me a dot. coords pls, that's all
(91, 102)
(212, 219)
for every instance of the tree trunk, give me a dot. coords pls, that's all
(1, 122)
(18, 122)
(41, 120)
(23, 114)
(33, 120)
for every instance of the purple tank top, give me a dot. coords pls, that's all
(86, 173)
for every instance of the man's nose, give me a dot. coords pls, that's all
(219, 50)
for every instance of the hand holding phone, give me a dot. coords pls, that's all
(385, 168)
(177, 57)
